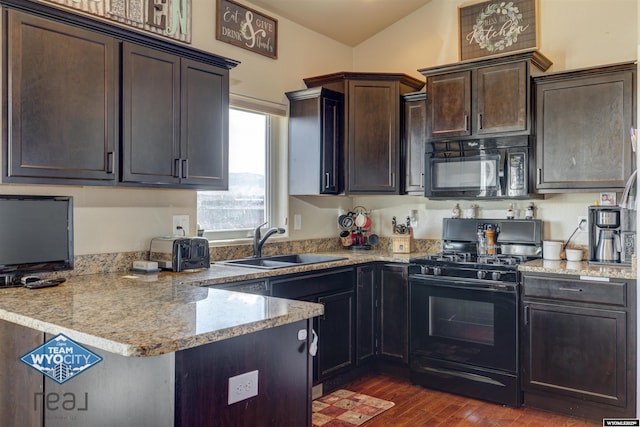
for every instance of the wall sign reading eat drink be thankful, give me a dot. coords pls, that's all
(497, 27)
(244, 27)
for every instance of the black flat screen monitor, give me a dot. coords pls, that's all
(36, 234)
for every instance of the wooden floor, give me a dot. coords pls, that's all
(419, 407)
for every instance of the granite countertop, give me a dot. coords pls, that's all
(134, 314)
(578, 268)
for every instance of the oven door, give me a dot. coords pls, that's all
(466, 321)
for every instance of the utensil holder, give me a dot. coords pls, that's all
(402, 243)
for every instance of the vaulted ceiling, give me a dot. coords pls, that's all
(348, 21)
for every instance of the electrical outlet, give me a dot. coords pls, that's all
(297, 222)
(180, 225)
(583, 224)
(243, 386)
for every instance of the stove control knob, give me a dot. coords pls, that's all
(424, 269)
(437, 271)
(481, 274)
(495, 275)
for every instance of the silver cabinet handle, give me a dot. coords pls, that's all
(326, 180)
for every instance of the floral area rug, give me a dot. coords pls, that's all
(344, 408)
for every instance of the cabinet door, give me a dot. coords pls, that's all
(332, 111)
(449, 105)
(204, 154)
(62, 98)
(374, 137)
(365, 313)
(394, 318)
(316, 136)
(150, 116)
(335, 332)
(413, 142)
(502, 98)
(582, 131)
(575, 352)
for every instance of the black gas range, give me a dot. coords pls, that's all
(498, 268)
(464, 309)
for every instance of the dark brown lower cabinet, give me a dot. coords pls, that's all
(182, 389)
(394, 314)
(578, 346)
(336, 328)
(365, 313)
(284, 380)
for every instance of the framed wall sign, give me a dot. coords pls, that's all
(246, 28)
(496, 27)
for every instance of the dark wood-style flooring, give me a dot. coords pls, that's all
(419, 407)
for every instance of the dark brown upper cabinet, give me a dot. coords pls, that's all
(489, 97)
(61, 102)
(372, 127)
(175, 114)
(316, 141)
(582, 137)
(90, 103)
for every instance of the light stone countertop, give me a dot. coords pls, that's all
(581, 268)
(134, 314)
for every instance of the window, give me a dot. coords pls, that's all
(251, 198)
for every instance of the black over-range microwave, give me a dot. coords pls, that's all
(490, 168)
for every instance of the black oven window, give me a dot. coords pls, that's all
(461, 320)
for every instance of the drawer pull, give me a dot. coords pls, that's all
(570, 289)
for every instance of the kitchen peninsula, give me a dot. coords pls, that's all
(170, 342)
(190, 340)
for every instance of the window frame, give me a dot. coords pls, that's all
(276, 185)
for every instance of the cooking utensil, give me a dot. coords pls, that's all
(582, 221)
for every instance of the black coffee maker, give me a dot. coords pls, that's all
(611, 235)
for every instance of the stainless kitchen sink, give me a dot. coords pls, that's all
(281, 261)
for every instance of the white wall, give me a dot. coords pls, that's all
(119, 220)
(574, 33)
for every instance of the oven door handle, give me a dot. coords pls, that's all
(459, 283)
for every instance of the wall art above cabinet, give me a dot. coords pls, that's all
(482, 98)
(583, 118)
(89, 103)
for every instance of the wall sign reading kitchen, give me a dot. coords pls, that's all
(169, 18)
(246, 28)
(497, 27)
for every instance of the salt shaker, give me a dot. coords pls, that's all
(455, 212)
(529, 212)
(510, 214)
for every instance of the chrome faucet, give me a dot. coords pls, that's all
(258, 240)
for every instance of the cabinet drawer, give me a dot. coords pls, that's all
(299, 287)
(608, 293)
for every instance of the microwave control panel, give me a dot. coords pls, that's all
(517, 163)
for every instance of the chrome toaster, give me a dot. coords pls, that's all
(180, 253)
